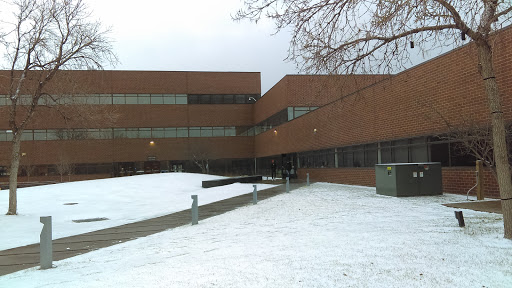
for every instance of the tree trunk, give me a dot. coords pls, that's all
(498, 134)
(13, 177)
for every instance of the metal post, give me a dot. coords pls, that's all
(480, 180)
(195, 213)
(287, 184)
(460, 217)
(255, 195)
(307, 178)
(45, 243)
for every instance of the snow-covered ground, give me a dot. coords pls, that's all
(325, 235)
(121, 200)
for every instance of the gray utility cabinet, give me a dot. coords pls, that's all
(409, 179)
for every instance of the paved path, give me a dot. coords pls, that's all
(20, 258)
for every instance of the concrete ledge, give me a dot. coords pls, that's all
(227, 181)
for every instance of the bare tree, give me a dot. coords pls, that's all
(45, 37)
(65, 167)
(27, 165)
(347, 36)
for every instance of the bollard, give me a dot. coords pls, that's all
(287, 184)
(460, 217)
(255, 195)
(45, 243)
(307, 179)
(195, 214)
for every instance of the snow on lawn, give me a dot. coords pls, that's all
(121, 200)
(325, 235)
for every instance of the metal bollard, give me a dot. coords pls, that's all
(195, 213)
(45, 243)
(460, 217)
(307, 178)
(255, 195)
(287, 184)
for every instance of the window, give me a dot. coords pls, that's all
(119, 133)
(182, 132)
(218, 132)
(230, 131)
(144, 99)
(239, 99)
(228, 99)
(132, 133)
(144, 132)
(170, 133)
(158, 133)
(105, 99)
(118, 99)
(195, 132)
(39, 134)
(131, 99)
(157, 99)
(181, 99)
(169, 99)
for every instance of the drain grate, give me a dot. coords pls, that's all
(90, 220)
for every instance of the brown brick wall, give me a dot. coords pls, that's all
(457, 180)
(406, 105)
(128, 150)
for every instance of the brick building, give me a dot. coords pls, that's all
(334, 127)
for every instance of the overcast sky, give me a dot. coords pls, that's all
(193, 35)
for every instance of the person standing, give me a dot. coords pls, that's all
(273, 167)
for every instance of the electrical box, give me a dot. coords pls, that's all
(409, 179)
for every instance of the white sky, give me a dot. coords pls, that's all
(193, 35)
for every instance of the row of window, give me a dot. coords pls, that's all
(106, 99)
(413, 150)
(170, 132)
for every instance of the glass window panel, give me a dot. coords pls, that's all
(193, 99)
(3, 136)
(359, 158)
(312, 108)
(230, 131)
(205, 99)
(370, 155)
(290, 113)
(118, 99)
(119, 133)
(240, 99)
(158, 133)
(93, 99)
(132, 132)
(400, 152)
(194, 132)
(157, 99)
(3, 100)
(181, 99)
(105, 99)
(52, 135)
(27, 135)
(169, 99)
(94, 133)
(144, 132)
(228, 99)
(78, 134)
(131, 99)
(144, 99)
(182, 132)
(206, 132)
(171, 133)
(217, 99)
(440, 153)
(25, 100)
(218, 132)
(348, 159)
(39, 134)
(299, 113)
(105, 133)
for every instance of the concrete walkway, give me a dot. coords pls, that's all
(20, 258)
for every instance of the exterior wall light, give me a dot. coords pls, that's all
(151, 142)
(314, 131)
(275, 131)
